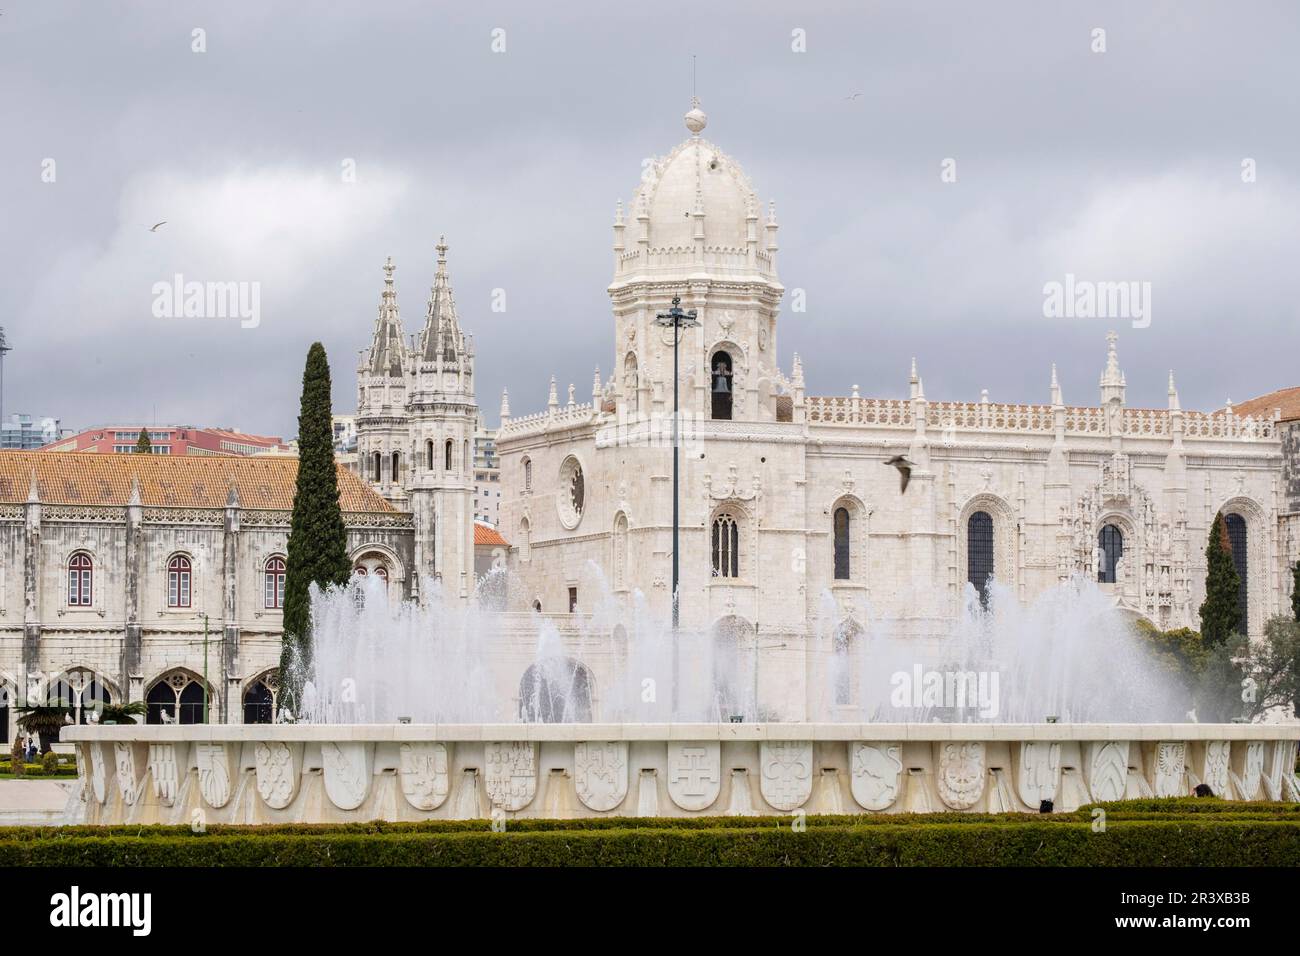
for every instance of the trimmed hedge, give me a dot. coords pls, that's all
(1215, 841)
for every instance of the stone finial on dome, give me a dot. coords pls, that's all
(695, 118)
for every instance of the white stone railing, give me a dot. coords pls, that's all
(1034, 419)
(329, 773)
(562, 416)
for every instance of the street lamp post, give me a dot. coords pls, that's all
(676, 318)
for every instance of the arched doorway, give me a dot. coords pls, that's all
(1110, 546)
(259, 699)
(1234, 528)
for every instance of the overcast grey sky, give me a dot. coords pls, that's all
(1122, 165)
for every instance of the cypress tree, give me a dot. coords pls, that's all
(1219, 613)
(317, 537)
(143, 446)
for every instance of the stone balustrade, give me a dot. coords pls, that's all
(335, 773)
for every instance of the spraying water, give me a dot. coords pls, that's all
(1069, 655)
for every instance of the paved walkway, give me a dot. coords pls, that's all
(33, 802)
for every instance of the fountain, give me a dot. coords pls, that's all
(433, 711)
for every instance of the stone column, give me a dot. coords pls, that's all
(231, 710)
(31, 589)
(132, 679)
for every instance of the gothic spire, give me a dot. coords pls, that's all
(389, 344)
(441, 336)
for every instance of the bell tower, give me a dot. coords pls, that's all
(442, 415)
(695, 231)
(382, 438)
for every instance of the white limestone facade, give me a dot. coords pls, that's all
(787, 505)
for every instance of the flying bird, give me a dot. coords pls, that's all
(904, 471)
(154, 227)
(853, 96)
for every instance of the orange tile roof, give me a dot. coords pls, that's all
(1287, 399)
(486, 534)
(264, 482)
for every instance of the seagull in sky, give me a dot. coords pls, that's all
(154, 227)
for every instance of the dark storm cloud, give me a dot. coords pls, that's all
(1117, 166)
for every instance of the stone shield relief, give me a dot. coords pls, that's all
(877, 771)
(1214, 770)
(99, 772)
(423, 772)
(162, 769)
(214, 773)
(785, 778)
(277, 773)
(694, 773)
(347, 773)
(1108, 769)
(511, 773)
(128, 771)
(600, 773)
(1040, 771)
(961, 773)
(1170, 769)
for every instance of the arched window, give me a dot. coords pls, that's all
(375, 468)
(528, 474)
(428, 451)
(80, 692)
(537, 605)
(525, 539)
(555, 691)
(979, 552)
(1234, 526)
(841, 544)
(176, 695)
(6, 701)
(446, 464)
(273, 584)
(259, 700)
(397, 466)
(80, 580)
(722, 386)
(178, 581)
(631, 383)
(1110, 546)
(726, 547)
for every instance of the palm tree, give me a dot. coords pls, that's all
(122, 713)
(45, 721)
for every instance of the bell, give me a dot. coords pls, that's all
(721, 381)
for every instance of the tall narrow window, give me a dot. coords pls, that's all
(274, 583)
(178, 582)
(376, 475)
(446, 452)
(528, 474)
(841, 544)
(428, 450)
(620, 552)
(979, 553)
(397, 467)
(80, 580)
(1110, 547)
(726, 547)
(722, 386)
(1235, 527)
(573, 600)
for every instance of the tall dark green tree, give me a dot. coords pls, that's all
(317, 537)
(143, 446)
(1219, 613)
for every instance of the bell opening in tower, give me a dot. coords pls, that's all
(722, 390)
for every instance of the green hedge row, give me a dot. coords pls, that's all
(1133, 810)
(1026, 842)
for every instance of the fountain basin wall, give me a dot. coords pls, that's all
(323, 773)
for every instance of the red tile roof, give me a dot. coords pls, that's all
(486, 534)
(264, 482)
(1287, 399)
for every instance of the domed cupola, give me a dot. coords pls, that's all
(695, 211)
